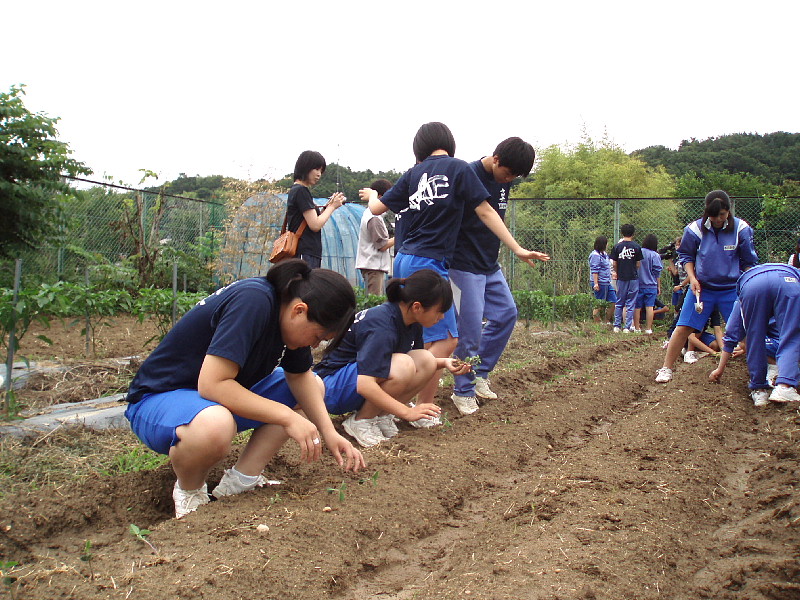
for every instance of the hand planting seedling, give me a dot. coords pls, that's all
(141, 535)
(472, 361)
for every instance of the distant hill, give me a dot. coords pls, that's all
(774, 157)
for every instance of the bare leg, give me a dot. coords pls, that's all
(264, 445)
(408, 375)
(440, 349)
(676, 342)
(649, 317)
(202, 444)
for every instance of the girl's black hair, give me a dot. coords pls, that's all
(307, 162)
(517, 155)
(432, 137)
(329, 296)
(425, 286)
(601, 243)
(717, 201)
(650, 242)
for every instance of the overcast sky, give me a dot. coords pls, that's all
(241, 88)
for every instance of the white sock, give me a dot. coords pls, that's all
(244, 479)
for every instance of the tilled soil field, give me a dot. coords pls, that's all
(584, 480)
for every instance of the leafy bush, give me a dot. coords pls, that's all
(365, 300)
(540, 306)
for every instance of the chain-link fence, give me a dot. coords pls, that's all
(119, 233)
(566, 228)
(128, 237)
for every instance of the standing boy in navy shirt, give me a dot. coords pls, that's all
(626, 257)
(486, 309)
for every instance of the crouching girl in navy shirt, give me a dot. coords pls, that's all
(714, 250)
(213, 375)
(381, 363)
(766, 291)
(429, 201)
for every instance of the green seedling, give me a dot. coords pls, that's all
(472, 361)
(87, 557)
(141, 535)
(275, 499)
(341, 489)
(373, 479)
(446, 422)
(8, 580)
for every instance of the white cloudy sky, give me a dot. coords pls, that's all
(240, 88)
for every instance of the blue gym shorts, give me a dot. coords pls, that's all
(711, 299)
(407, 264)
(155, 417)
(606, 293)
(772, 347)
(707, 338)
(341, 395)
(647, 297)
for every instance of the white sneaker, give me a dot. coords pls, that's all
(690, 357)
(466, 405)
(230, 485)
(366, 431)
(784, 393)
(760, 397)
(187, 501)
(663, 375)
(626, 330)
(387, 426)
(772, 374)
(617, 329)
(648, 332)
(425, 422)
(482, 389)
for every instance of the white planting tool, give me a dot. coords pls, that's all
(698, 306)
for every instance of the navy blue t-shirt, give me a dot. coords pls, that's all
(375, 335)
(477, 247)
(239, 323)
(300, 201)
(433, 196)
(627, 254)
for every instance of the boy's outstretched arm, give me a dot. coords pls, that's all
(492, 220)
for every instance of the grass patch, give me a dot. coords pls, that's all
(69, 454)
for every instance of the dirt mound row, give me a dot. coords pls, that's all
(585, 480)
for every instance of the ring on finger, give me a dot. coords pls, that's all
(315, 441)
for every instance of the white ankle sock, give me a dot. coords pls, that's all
(244, 479)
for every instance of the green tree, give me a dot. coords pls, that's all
(567, 228)
(32, 165)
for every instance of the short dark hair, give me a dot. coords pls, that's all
(425, 286)
(381, 186)
(431, 137)
(627, 230)
(517, 155)
(650, 242)
(307, 162)
(330, 297)
(716, 201)
(601, 243)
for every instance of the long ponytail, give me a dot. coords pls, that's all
(425, 286)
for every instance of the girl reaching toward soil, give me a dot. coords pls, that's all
(206, 380)
(381, 364)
